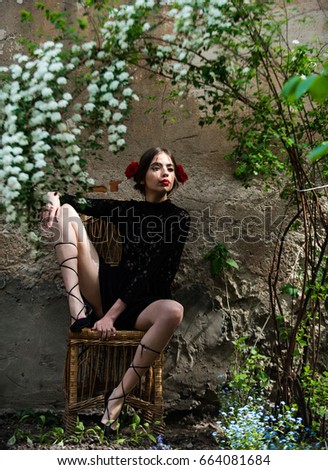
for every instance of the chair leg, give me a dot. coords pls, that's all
(71, 378)
(157, 419)
(70, 421)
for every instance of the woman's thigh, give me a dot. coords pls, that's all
(88, 269)
(72, 228)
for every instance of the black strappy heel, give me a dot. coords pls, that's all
(90, 319)
(107, 428)
(86, 322)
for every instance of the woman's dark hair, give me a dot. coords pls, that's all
(144, 164)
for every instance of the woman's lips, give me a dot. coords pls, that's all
(165, 182)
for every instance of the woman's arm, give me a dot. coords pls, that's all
(111, 208)
(105, 326)
(97, 207)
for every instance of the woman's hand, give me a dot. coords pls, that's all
(105, 326)
(50, 210)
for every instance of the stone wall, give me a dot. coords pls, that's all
(33, 305)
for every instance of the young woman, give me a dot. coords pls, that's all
(137, 293)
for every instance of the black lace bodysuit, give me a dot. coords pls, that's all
(153, 236)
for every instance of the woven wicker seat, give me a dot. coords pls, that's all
(94, 365)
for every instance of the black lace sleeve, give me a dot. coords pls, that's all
(96, 207)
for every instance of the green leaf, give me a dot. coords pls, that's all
(289, 289)
(11, 441)
(92, 431)
(231, 262)
(215, 267)
(83, 22)
(120, 441)
(26, 16)
(152, 438)
(219, 260)
(319, 88)
(296, 352)
(79, 426)
(289, 89)
(136, 419)
(42, 419)
(304, 86)
(318, 152)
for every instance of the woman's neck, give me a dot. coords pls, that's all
(155, 198)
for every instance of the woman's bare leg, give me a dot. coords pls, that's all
(159, 320)
(78, 260)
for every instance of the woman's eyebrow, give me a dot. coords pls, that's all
(161, 164)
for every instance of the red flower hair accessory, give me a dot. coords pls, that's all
(181, 174)
(131, 169)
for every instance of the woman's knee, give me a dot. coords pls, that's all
(68, 213)
(174, 313)
(66, 219)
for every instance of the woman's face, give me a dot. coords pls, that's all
(159, 179)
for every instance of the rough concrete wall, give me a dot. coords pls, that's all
(33, 305)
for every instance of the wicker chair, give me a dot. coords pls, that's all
(94, 365)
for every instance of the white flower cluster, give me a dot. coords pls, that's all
(42, 128)
(34, 140)
(193, 21)
(110, 94)
(194, 24)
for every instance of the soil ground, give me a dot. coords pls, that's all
(31, 431)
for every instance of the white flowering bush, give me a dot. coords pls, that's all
(46, 133)
(57, 103)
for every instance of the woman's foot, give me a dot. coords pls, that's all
(114, 402)
(86, 318)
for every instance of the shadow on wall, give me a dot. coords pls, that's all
(33, 349)
(198, 353)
